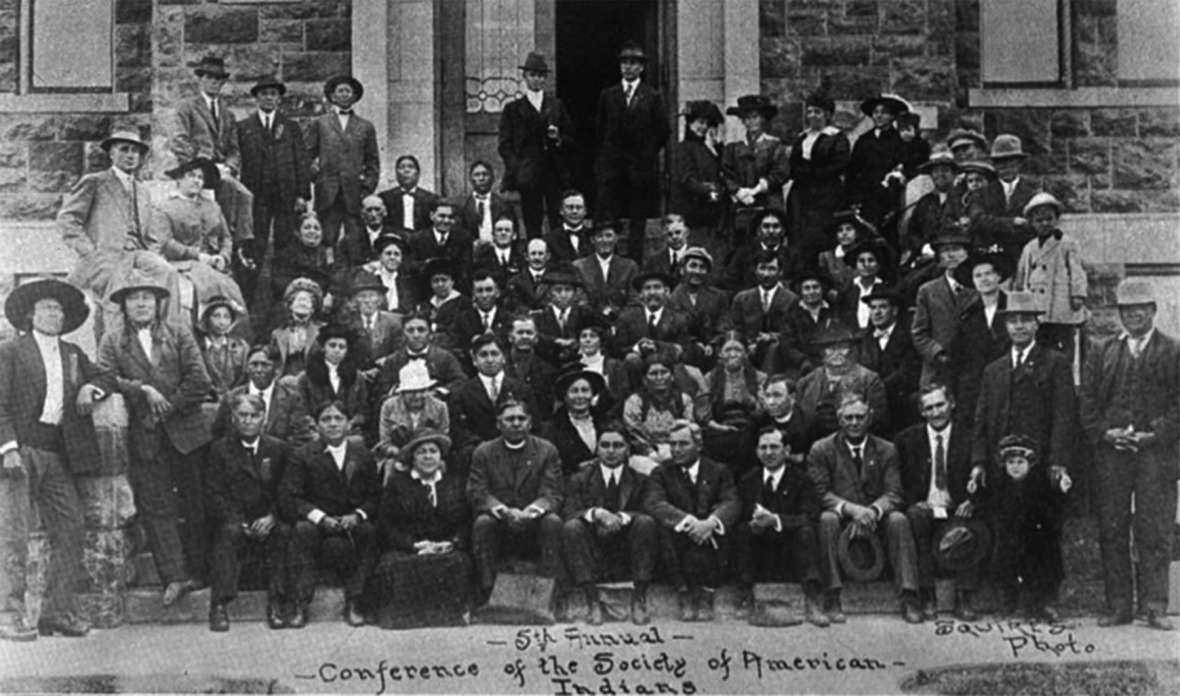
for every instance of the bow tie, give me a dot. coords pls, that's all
(345, 112)
(416, 356)
(881, 333)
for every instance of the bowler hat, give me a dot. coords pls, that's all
(1017, 444)
(138, 280)
(385, 239)
(753, 102)
(1007, 146)
(421, 438)
(642, 278)
(883, 292)
(363, 280)
(994, 255)
(978, 167)
(1133, 291)
(209, 170)
(963, 544)
(891, 101)
(234, 308)
(700, 253)
(573, 373)
(704, 110)
(1021, 302)
(632, 51)
(965, 136)
(1040, 199)
(125, 134)
(268, 81)
(336, 80)
(941, 158)
(562, 276)
(26, 295)
(211, 66)
(862, 557)
(951, 233)
(535, 62)
(834, 333)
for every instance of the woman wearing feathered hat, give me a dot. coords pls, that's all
(877, 152)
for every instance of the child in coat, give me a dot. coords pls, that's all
(1051, 269)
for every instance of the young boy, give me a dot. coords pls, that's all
(1050, 268)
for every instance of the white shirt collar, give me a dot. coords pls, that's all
(433, 480)
(653, 315)
(632, 84)
(1018, 355)
(264, 393)
(123, 177)
(931, 433)
(693, 470)
(1145, 338)
(854, 448)
(775, 476)
(608, 473)
(337, 453)
(46, 342)
(252, 446)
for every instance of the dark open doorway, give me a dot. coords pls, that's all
(588, 35)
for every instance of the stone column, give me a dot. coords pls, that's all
(412, 116)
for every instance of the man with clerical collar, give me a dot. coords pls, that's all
(515, 489)
(775, 534)
(48, 388)
(284, 410)
(571, 240)
(781, 411)
(607, 533)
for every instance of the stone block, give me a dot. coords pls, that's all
(308, 9)
(1160, 200)
(1089, 155)
(940, 17)
(1031, 125)
(1144, 164)
(26, 127)
(105, 559)
(221, 26)
(779, 56)
(806, 22)
(102, 610)
(314, 66)
(1095, 8)
(12, 179)
(1116, 202)
(133, 44)
(136, 80)
(12, 155)
(93, 127)
(133, 11)
(8, 76)
(923, 79)
(1114, 122)
(1069, 123)
(772, 20)
(54, 166)
(903, 16)
(967, 15)
(168, 36)
(888, 47)
(1072, 190)
(280, 31)
(1162, 122)
(852, 82)
(96, 158)
(29, 206)
(966, 51)
(328, 34)
(823, 52)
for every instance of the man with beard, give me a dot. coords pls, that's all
(821, 390)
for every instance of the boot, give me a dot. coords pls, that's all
(745, 603)
(352, 613)
(298, 616)
(813, 609)
(705, 601)
(833, 608)
(688, 605)
(929, 599)
(964, 609)
(910, 610)
(593, 606)
(561, 606)
(274, 615)
(639, 615)
(218, 618)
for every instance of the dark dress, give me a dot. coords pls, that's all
(696, 171)
(409, 590)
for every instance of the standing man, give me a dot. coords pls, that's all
(274, 168)
(47, 391)
(939, 304)
(536, 138)
(408, 205)
(1004, 222)
(159, 370)
(345, 164)
(887, 348)
(632, 127)
(818, 158)
(205, 127)
(753, 169)
(1131, 412)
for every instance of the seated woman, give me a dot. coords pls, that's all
(411, 408)
(574, 427)
(332, 375)
(400, 289)
(591, 338)
(296, 337)
(225, 355)
(849, 229)
(424, 575)
(650, 411)
(307, 259)
(730, 404)
(445, 303)
(198, 242)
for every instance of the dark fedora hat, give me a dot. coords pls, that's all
(939, 158)
(364, 280)
(833, 334)
(963, 544)
(883, 292)
(753, 102)
(336, 80)
(21, 301)
(1001, 262)
(704, 110)
(212, 66)
(137, 279)
(574, 372)
(535, 62)
(639, 280)
(894, 103)
(861, 558)
(951, 233)
(268, 81)
(562, 276)
(633, 51)
(979, 167)
(208, 168)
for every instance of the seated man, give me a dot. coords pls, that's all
(445, 303)
(781, 412)
(484, 314)
(515, 491)
(359, 247)
(759, 312)
(606, 276)
(560, 321)
(329, 492)
(887, 348)
(284, 413)
(483, 207)
(706, 305)
(821, 389)
(775, 535)
(670, 261)
(443, 367)
(378, 331)
(695, 502)
(857, 477)
(525, 364)
(475, 402)
(652, 326)
(607, 534)
(525, 289)
(241, 493)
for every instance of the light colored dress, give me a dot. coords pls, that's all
(196, 226)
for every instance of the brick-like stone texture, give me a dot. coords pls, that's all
(220, 25)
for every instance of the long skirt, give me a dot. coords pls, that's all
(411, 591)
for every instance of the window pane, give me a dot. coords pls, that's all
(1019, 41)
(72, 44)
(499, 35)
(1149, 48)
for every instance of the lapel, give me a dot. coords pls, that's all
(521, 473)
(350, 464)
(133, 348)
(31, 365)
(116, 192)
(334, 124)
(1041, 252)
(250, 465)
(272, 411)
(207, 115)
(868, 472)
(626, 486)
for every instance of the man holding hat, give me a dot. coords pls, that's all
(632, 127)
(876, 153)
(536, 139)
(345, 164)
(47, 390)
(205, 127)
(819, 156)
(755, 168)
(109, 221)
(939, 303)
(1130, 406)
(652, 326)
(274, 168)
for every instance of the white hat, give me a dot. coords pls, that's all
(414, 377)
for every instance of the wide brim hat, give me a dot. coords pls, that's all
(951, 233)
(561, 276)
(573, 373)
(437, 265)
(862, 558)
(697, 252)
(864, 228)
(979, 167)
(895, 103)
(704, 110)
(357, 88)
(1134, 291)
(22, 299)
(959, 135)
(385, 239)
(208, 168)
(125, 135)
(421, 438)
(811, 272)
(1000, 261)
(221, 301)
(1007, 146)
(336, 330)
(883, 292)
(1021, 303)
(963, 544)
(879, 248)
(138, 280)
(941, 158)
(268, 81)
(414, 377)
(363, 280)
(638, 281)
(535, 62)
(213, 66)
(835, 333)
(753, 102)
(1040, 199)
(633, 51)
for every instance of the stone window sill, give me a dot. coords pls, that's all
(1083, 97)
(90, 102)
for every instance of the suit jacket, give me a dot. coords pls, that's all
(917, 463)
(1053, 273)
(385, 337)
(22, 397)
(197, 134)
(524, 293)
(536, 372)
(613, 291)
(739, 274)
(344, 162)
(315, 389)
(819, 398)
(407, 517)
(795, 500)
(799, 329)
(548, 331)
(836, 479)
(630, 137)
(468, 216)
(424, 245)
(395, 211)
(531, 159)
(976, 344)
(473, 415)
(226, 369)
(530, 476)
(929, 217)
(586, 490)
(241, 486)
(671, 331)
(177, 372)
(661, 262)
(440, 364)
(485, 258)
(936, 314)
(561, 249)
(899, 367)
(275, 161)
(817, 181)
(696, 174)
(1052, 421)
(468, 323)
(746, 315)
(997, 224)
(670, 498)
(744, 164)
(286, 416)
(570, 447)
(313, 482)
(356, 249)
(709, 316)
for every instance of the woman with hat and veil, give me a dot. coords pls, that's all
(876, 153)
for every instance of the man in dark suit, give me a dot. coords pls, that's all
(515, 489)
(408, 205)
(504, 256)
(526, 291)
(484, 206)
(284, 411)
(705, 305)
(939, 304)
(769, 230)
(443, 367)
(937, 476)
(607, 533)
(524, 363)
(933, 210)
(474, 403)
(560, 320)
(650, 327)
(632, 128)
(159, 370)
(274, 168)
(859, 480)
(670, 259)
(329, 493)
(818, 158)
(1131, 412)
(360, 246)
(607, 277)
(887, 348)
(775, 535)
(759, 313)
(379, 332)
(1004, 198)
(442, 239)
(695, 502)
(47, 391)
(485, 314)
(783, 414)
(241, 493)
(536, 139)
(345, 162)
(570, 240)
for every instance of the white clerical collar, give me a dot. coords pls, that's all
(518, 446)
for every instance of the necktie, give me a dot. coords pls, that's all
(612, 493)
(629, 92)
(442, 240)
(939, 463)
(213, 110)
(270, 125)
(346, 112)
(487, 321)
(857, 458)
(561, 322)
(651, 325)
(1136, 346)
(431, 493)
(416, 356)
(481, 205)
(494, 389)
(768, 489)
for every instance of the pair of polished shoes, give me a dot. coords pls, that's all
(277, 619)
(697, 604)
(66, 625)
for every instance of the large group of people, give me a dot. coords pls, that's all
(883, 367)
